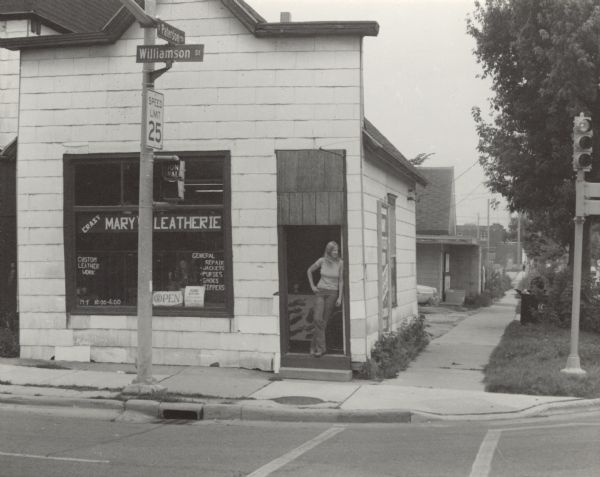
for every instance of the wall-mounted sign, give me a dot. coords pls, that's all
(165, 53)
(104, 222)
(154, 119)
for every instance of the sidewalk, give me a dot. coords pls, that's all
(444, 382)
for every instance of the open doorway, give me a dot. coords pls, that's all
(303, 245)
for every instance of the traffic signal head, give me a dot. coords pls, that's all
(582, 143)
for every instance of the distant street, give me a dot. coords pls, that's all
(39, 443)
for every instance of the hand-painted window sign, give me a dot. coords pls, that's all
(158, 53)
(169, 33)
(115, 222)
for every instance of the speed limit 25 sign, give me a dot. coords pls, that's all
(154, 120)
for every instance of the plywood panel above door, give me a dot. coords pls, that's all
(310, 187)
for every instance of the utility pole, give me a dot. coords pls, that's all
(519, 253)
(488, 233)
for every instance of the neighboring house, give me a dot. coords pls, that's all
(446, 261)
(489, 245)
(279, 160)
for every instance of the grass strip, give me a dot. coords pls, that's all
(529, 358)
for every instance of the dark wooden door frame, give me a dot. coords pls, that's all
(302, 360)
(306, 199)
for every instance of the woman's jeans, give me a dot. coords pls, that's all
(324, 305)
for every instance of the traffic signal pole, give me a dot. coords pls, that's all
(582, 163)
(573, 363)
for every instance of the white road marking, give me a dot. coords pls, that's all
(550, 426)
(69, 459)
(483, 462)
(285, 459)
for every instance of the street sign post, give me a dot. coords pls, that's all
(151, 139)
(169, 33)
(154, 119)
(158, 53)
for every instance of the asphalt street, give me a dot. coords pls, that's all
(55, 442)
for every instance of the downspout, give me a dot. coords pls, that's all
(17, 214)
(362, 195)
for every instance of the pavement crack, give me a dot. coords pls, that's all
(105, 441)
(169, 376)
(339, 406)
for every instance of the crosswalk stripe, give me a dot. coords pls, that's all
(70, 459)
(295, 453)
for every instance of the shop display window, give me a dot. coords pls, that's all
(191, 241)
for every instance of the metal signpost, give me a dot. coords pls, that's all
(151, 138)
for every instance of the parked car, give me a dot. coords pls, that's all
(427, 295)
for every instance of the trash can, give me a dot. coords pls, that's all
(529, 304)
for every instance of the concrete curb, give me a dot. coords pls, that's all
(576, 403)
(142, 406)
(581, 404)
(249, 412)
(46, 401)
(257, 413)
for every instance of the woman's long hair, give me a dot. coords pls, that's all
(329, 248)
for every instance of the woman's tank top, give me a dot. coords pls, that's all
(330, 274)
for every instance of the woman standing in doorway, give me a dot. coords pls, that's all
(329, 294)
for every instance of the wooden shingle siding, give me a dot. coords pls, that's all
(250, 97)
(310, 187)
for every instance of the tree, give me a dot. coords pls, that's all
(543, 57)
(420, 158)
(497, 234)
(533, 242)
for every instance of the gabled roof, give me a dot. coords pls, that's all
(436, 211)
(379, 149)
(64, 16)
(113, 20)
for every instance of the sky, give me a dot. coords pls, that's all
(421, 82)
